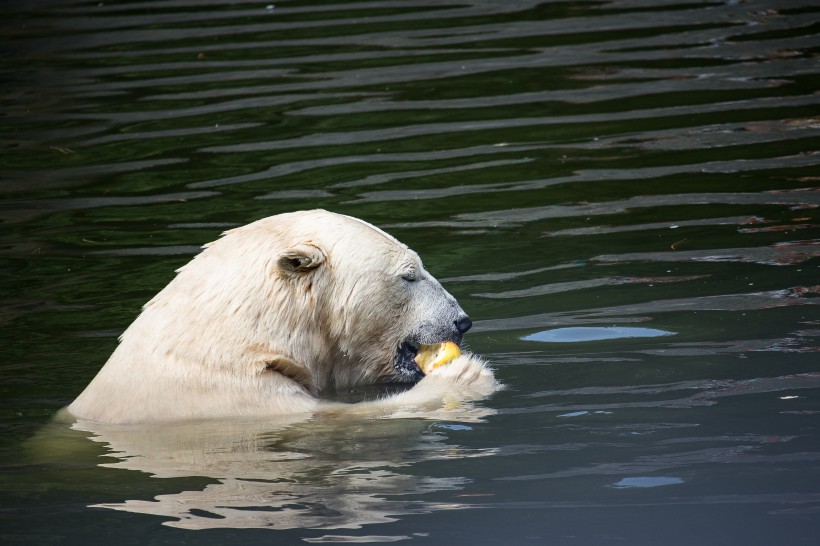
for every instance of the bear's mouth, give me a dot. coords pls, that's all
(407, 371)
(405, 367)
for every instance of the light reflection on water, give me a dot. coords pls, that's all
(580, 334)
(588, 178)
(317, 475)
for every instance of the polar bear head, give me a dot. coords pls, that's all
(331, 294)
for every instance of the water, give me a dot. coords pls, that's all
(622, 194)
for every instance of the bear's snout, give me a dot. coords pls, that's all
(463, 323)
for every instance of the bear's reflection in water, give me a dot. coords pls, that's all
(323, 472)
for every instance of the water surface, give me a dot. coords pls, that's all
(622, 194)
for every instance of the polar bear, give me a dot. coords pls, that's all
(274, 314)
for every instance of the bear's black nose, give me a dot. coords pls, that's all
(463, 324)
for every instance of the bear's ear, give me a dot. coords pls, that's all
(301, 258)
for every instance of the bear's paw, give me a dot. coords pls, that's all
(467, 377)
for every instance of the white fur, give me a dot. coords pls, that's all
(240, 332)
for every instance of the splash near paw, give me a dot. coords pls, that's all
(430, 357)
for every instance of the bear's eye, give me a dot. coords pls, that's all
(410, 276)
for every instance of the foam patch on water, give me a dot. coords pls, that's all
(594, 333)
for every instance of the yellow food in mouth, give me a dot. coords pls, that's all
(430, 357)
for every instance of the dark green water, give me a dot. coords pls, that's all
(623, 195)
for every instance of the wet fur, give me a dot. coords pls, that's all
(271, 315)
